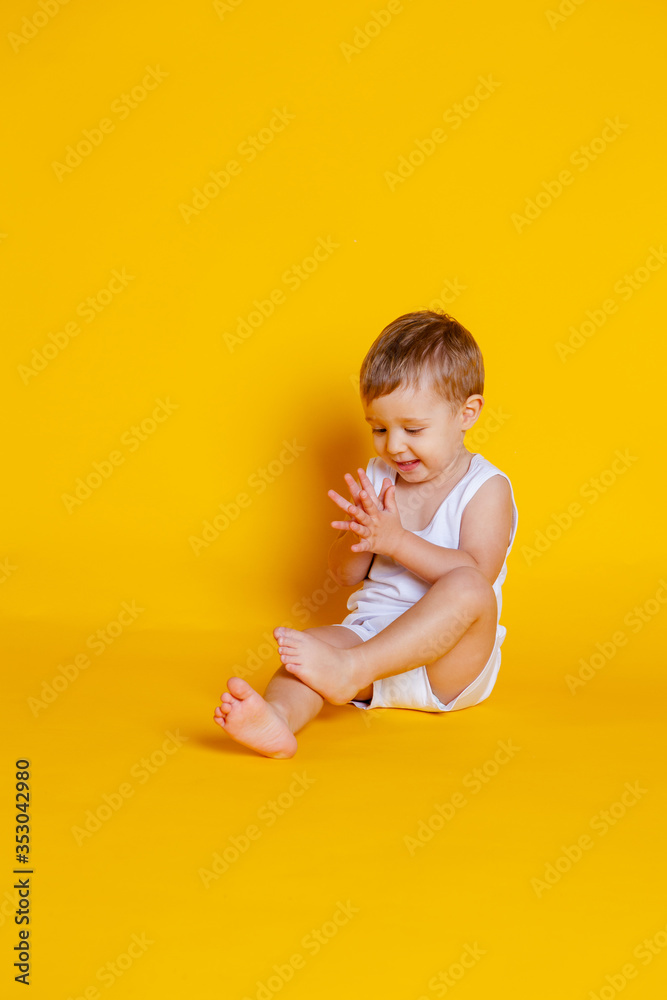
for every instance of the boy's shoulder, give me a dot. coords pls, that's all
(483, 464)
(489, 498)
(483, 473)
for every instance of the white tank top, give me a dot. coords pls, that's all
(390, 588)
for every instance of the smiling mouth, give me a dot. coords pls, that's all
(405, 465)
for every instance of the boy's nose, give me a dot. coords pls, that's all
(395, 445)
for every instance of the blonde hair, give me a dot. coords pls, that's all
(425, 349)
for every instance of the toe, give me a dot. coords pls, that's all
(239, 688)
(287, 636)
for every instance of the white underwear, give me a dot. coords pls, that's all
(412, 688)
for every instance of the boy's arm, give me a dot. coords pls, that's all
(348, 568)
(486, 525)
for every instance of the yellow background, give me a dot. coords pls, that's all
(400, 246)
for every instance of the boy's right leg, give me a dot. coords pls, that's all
(268, 724)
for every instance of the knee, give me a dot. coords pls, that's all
(471, 587)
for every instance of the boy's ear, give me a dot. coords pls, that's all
(471, 410)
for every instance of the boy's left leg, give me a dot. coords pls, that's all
(451, 629)
(267, 724)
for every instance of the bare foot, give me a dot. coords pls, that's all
(335, 673)
(252, 721)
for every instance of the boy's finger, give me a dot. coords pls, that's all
(341, 501)
(354, 511)
(365, 500)
(368, 486)
(352, 486)
(350, 480)
(386, 483)
(349, 526)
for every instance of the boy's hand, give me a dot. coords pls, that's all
(375, 519)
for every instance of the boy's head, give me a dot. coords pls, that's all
(424, 350)
(421, 387)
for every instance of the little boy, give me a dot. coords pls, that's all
(428, 532)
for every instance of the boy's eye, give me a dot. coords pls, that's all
(410, 430)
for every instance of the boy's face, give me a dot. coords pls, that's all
(416, 431)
